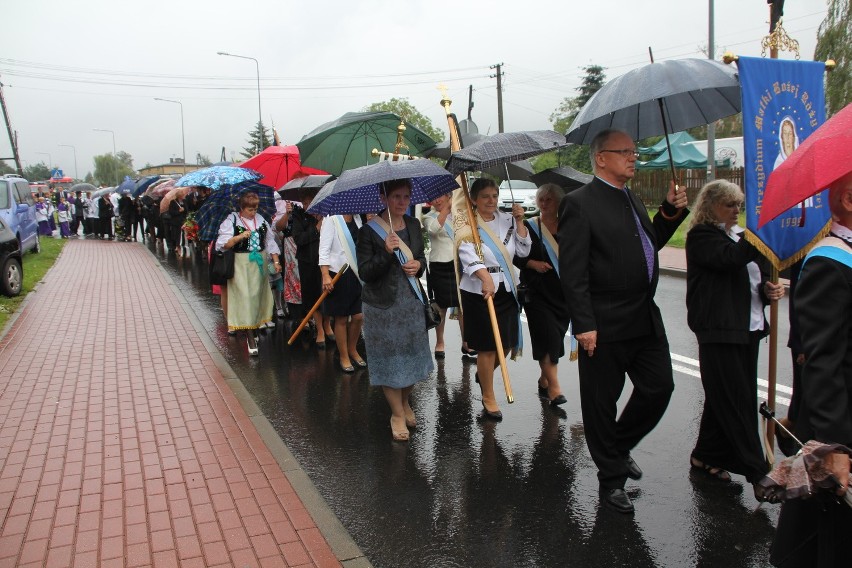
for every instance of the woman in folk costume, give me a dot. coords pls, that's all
(390, 259)
(249, 295)
(338, 236)
(64, 214)
(441, 277)
(547, 313)
(41, 218)
(503, 237)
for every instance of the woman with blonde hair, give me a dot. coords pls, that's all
(726, 291)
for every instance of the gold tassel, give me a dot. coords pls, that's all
(773, 258)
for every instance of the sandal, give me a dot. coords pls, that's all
(399, 435)
(410, 418)
(716, 473)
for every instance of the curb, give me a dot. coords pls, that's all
(338, 538)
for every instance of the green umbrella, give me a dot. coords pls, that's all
(347, 142)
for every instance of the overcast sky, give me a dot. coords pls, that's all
(71, 67)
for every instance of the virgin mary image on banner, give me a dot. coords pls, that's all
(788, 140)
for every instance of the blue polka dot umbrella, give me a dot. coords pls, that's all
(358, 190)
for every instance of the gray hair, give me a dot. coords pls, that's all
(550, 188)
(598, 142)
(711, 194)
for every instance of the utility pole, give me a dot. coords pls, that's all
(469, 101)
(13, 139)
(711, 128)
(499, 75)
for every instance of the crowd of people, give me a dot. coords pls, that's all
(115, 216)
(588, 263)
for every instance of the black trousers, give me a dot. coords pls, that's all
(105, 227)
(647, 361)
(728, 436)
(812, 533)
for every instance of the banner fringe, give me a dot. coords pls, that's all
(791, 260)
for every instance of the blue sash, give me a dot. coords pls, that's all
(552, 255)
(348, 243)
(400, 256)
(832, 252)
(510, 276)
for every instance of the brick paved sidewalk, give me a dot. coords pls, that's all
(121, 443)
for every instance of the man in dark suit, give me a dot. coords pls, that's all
(609, 271)
(815, 531)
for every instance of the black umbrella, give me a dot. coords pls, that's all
(565, 177)
(660, 98)
(505, 147)
(297, 189)
(692, 92)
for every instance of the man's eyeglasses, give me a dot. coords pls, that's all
(625, 153)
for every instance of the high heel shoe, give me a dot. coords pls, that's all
(491, 414)
(252, 350)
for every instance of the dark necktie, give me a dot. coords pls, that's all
(647, 247)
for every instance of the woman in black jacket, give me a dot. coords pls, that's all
(725, 295)
(305, 230)
(392, 301)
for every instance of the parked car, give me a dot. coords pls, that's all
(12, 274)
(17, 211)
(523, 192)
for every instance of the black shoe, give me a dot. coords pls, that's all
(497, 415)
(560, 399)
(616, 499)
(439, 355)
(633, 471)
(468, 353)
(542, 393)
(320, 345)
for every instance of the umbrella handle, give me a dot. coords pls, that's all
(509, 182)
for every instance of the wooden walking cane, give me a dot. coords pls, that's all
(455, 145)
(305, 321)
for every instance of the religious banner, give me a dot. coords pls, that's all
(783, 103)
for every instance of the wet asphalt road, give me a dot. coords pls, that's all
(464, 492)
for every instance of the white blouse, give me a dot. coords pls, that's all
(441, 246)
(331, 251)
(469, 261)
(226, 231)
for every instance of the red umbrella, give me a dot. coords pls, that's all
(824, 157)
(276, 163)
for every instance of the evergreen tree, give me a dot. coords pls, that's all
(575, 156)
(834, 41)
(258, 141)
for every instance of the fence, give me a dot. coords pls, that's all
(652, 185)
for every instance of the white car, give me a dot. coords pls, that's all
(524, 194)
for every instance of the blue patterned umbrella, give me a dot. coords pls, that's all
(358, 190)
(215, 177)
(126, 185)
(224, 201)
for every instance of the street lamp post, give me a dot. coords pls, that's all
(75, 157)
(182, 137)
(259, 114)
(115, 170)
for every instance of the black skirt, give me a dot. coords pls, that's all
(477, 322)
(441, 282)
(345, 299)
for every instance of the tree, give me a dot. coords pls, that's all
(37, 172)
(407, 112)
(834, 41)
(575, 156)
(89, 178)
(202, 160)
(6, 168)
(257, 144)
(727, 127)
(110, 170)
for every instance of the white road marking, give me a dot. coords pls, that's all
(761, 382)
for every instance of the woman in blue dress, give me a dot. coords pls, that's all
(394, 323)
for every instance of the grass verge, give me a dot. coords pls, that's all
(35, 267)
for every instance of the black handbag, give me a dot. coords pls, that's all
(525, 294)
(433, 314)
(221, 267)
